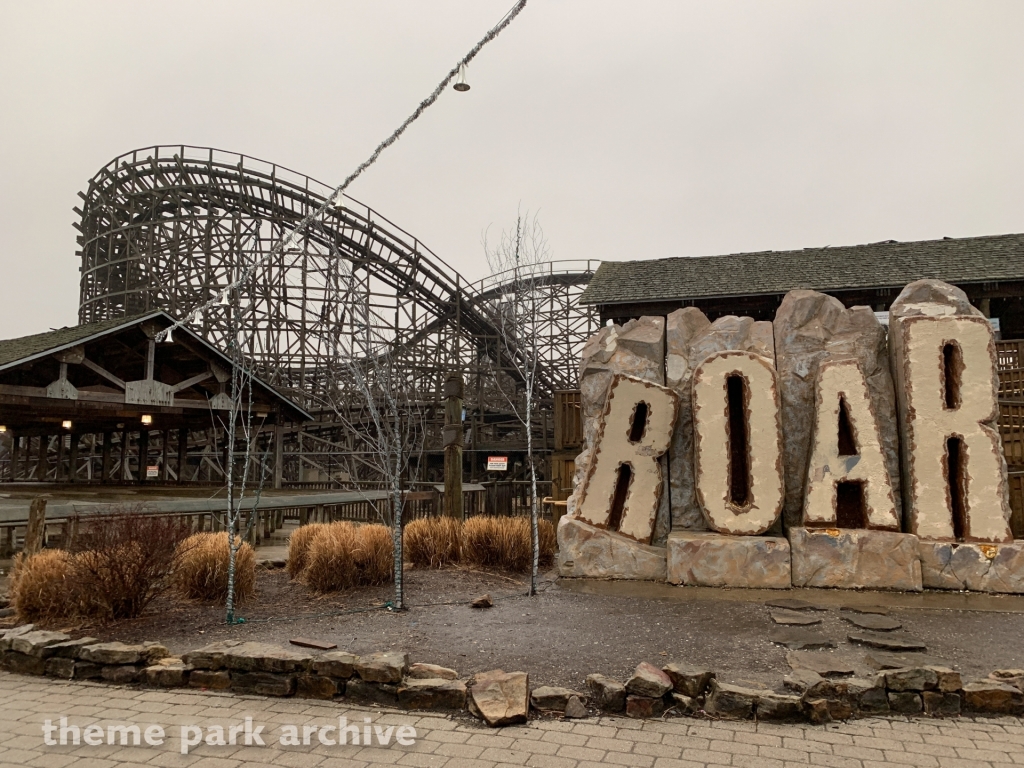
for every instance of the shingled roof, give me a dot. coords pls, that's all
(877, 265)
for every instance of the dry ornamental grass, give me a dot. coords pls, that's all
(505, 543)
(201, 569)
(330, 563)
(433, 542)
(44, 586)
(375, 555)
(298, 548)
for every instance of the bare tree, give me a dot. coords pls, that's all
(517, 261)
(374, 398)
(240, 422)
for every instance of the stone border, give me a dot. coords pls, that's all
(504, 698)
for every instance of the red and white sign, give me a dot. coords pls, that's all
(153, 470)
(497, 463)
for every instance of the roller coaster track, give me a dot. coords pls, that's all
(169, 226)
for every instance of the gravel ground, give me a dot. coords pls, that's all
(573, 628)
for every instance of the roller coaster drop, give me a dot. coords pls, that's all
(169, 227)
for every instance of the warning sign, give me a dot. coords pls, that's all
(497, 463)
(153, 470)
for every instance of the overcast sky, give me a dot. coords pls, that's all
(638, 129)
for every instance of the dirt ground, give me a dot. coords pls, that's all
(575, 627)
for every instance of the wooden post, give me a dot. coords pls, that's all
(143, 454)
(15, 446)
(41, 458)
(279, 454)
(304, 516)
(35, 535)
(7, 549)
(453, 447)
(164, 435)
(73, 459)
(105, 470)
(58, 473)
(182, 454)
(125, 471)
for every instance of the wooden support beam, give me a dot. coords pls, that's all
(106, 461)
(182, 454)
(73, 459)
(35, 535)
(143, 454)
(453, 388)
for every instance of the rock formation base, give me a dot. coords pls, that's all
(589, 552)
(719, 560)
(977, 567)
(855, 559)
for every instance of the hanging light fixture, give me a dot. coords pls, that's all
(66, 424)
(169, 338)
(3, 428)
(224, 299)
(461, 84)
(147, 419)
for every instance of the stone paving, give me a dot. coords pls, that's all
(27, 702)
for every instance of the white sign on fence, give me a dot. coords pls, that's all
(153, 470)
(497, 463)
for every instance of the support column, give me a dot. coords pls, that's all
(164, 435)
(58, 472)
(73, 459)
(278, 454)
(105, 469)
(15, 455)
(453, 447)
(41, 456)
(182, 453)
(125, 437)
(143, 454)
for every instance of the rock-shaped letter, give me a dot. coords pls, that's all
(847, 480)
(944, 362)
(623, 483)
(738, 456)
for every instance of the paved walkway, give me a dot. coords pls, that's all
(26, 703)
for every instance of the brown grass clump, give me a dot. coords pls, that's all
(44, 586)
(505, 542)
(330, 557)
(341, 556)
(548, 541)
(201, 571)
(433, 542)
(298, 548)
(375, 554)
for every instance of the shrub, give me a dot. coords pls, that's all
(505, 542)
(433, 542)
(330, 557)
(375, 554)
(201, 569)
(342, 555)
(44, 586)
(298, 548)
(125, 559)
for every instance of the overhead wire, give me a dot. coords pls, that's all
(335, 196)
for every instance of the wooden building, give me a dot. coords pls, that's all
(990, 270)
(106, 402)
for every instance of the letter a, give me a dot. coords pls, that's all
(623, 483)
(847, 452)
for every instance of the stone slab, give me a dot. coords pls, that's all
(855, 559)
(794, 618)
(887, 642)
(799, 638)
(873, 622)
(977, 567)
(721, 560)
(588, 552)
(794, 604)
